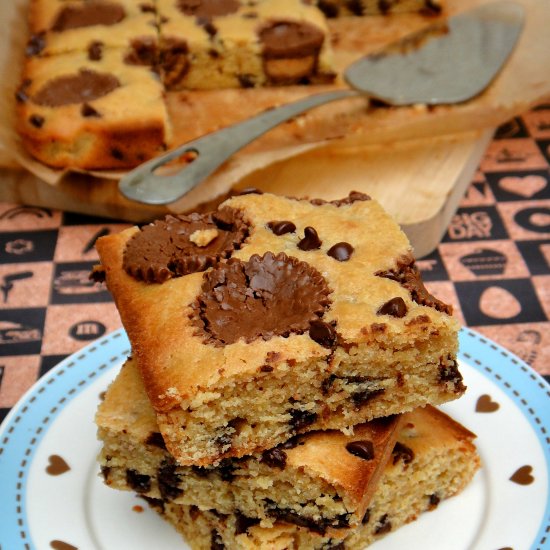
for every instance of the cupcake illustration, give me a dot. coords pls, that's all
(485, 261)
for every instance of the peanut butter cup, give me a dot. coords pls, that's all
(179, 245)
(269, 295)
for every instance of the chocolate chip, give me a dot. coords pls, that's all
(355, 6)
(383, 525)
(36, 120)
(274, 458)
(155, 503)
(194, 512)
(395, 307)
(226, 469)
(246, 80)
(300, 419)
(35, 45)
(173, 62)
(292, 443)
(384, 6)
(363, 449)
(207, 25)
(21, 93)
(322, 333)
(448, 372)
(97, 275)
(140, 483)
(223, 441)
(366, 517)
(327, 383)
(168, 481)
(316, 525)
(266, 368)
(341, 251)
(434, 501)
(402, 452)
(311, 240)
(363, 397)
(95, 50)
(216, 541)
(200, 471)
(156, 439)
(281, 227)
(147, 8)
(242, 523)
(143, 51)
(330, 9)
(105, 472)
(117, 154)
(431, 8)
(88, 111)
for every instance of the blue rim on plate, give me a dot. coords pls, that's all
(21, 432)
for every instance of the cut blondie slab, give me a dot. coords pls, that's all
(322, 479)
(209, 44)
(90, 112)
(434, 459)
(63, 26)
(271, 317)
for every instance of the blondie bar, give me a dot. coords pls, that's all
(271, 317)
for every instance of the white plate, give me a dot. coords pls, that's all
(52, 497)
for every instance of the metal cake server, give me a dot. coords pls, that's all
(448, 62)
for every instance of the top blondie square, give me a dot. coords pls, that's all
(274, 316)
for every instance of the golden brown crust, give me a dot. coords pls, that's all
(119, 129)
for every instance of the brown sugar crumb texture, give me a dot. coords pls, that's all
(246, 336)
(285, 481)
(115, 60)
(319, 490)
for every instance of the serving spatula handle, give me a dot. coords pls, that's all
(208, 153)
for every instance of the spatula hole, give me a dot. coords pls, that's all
(176, 164)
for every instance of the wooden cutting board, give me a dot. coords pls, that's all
(419, 182)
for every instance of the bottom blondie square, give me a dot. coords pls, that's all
(322, 479)
(272, 316)
(434, 459)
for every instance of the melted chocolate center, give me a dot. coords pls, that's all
(179, 245)
(76, 88)
(88, 14)
(264, 297)
(208, 8)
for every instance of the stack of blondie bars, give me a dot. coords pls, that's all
(286, 360)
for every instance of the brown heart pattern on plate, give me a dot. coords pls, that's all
(523, 475)
(485, 404)
(56, 465)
